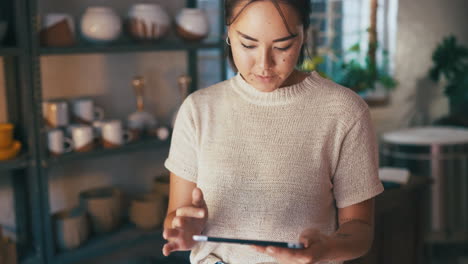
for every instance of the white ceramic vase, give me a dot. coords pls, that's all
(148, 21)
(192, 24)
(100, 24)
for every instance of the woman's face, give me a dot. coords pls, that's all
(264, 51)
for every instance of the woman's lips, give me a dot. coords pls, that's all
(265, 79)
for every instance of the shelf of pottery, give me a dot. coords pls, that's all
(101, 29)
(81, 127)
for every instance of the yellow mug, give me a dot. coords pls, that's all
(6, 135)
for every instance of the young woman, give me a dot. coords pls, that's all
(273, 153)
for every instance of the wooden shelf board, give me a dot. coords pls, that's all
(129, 46)
(143, 144)
(19, 162)
(125, 237)
(9, 51)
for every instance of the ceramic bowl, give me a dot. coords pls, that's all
(148, 21)
(100, 25)
(192, 24)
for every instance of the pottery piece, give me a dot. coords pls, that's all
(100, 24)
(58, 30)
(71, 228)
(192, 24)
(148, 21)
(6, 135)
(146, 211)
(11, 152)
(105, 208)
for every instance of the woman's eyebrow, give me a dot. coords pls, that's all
(276, 40)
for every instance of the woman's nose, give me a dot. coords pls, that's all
(265, 59)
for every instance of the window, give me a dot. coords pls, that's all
(337, 25)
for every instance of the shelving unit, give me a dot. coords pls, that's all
(32, 169)
(22, 170)
(20, 162)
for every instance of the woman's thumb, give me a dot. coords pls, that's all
(197, 198)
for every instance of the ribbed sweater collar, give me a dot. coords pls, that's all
(283, 95)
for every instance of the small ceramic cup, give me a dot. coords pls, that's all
(147, 211)
(71, 228)
(57, 143)
(105, 208)
(6, 135)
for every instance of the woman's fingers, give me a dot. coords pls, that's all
(191, 212)
(169, 247)
(171, 233)
(197, 198)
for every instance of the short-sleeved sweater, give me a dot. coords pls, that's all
(272, 164)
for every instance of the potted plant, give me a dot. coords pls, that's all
(450, 63)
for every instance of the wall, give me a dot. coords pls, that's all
(421, 26)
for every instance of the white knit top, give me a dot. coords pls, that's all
(272, 164)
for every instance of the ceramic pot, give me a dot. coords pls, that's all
(71, 228)
(100, 25)
(146, 211)
(105, 208)
(148, 21)
(192, 24)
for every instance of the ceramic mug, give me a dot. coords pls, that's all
(58, 29)
(148, 21)
(71, 228)
(100, 24)
(57, 142)
(85, 112)
(55, 113)
(104, 206)
(147, 211)
(113, 134)
(82, 136)
(192, 24)
(6, 135)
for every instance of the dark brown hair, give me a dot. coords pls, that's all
(301, 6)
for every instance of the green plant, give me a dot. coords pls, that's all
(364, 76)
(450, 61)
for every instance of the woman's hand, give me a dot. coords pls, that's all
(315, 247)
(188, 221)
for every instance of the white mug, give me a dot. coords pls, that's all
(55, 113)
(84, 111)
(83, 137)
(57, 142)
(113, 134)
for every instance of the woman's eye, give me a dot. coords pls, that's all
(247, 47)
(285, 48)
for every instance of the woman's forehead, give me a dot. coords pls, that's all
(264, 17)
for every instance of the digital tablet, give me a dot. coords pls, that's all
(248, 242)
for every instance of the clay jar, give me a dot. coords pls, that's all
(100, 25)
(71, 228)
(105, 208)
(192, 24)
(147, 21)
(146, 211)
